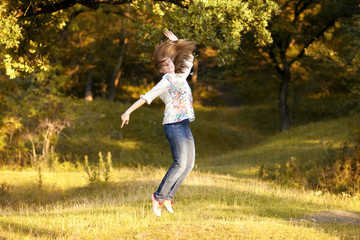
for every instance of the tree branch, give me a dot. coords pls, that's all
(299, 10)
(179, 3)
(350, 10)
(72, 16)
(275, 61)
(30, 11)
(319, 34)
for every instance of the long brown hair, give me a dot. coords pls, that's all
(178, 51)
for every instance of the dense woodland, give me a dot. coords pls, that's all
(248, 52)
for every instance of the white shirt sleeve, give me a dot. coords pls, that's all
(156, 91)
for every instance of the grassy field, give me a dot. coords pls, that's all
(221, 199)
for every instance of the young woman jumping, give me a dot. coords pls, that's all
(174, 59)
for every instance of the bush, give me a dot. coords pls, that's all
(337, 172)
(100, 171)
(341, 171)
(291, 173)
(355, 113)
(30, 129)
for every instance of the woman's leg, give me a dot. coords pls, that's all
(189, 164)
(176, 134)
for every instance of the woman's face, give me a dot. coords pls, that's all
(167, 67)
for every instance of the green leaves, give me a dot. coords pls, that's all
(10, 31)
(218, 23)
(10, 37)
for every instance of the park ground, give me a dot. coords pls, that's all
(223, 198)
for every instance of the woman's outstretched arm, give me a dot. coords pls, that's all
(126, 116)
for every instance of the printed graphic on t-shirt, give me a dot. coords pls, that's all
(180, 94)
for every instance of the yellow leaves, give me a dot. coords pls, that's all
(10, 32)
(10, 37)
(61, 24)
(157, 10)
(13, 123)
(221, 23)
(210, 52)
(7, 130)
(43, 67)
(319, 50)
(15, 66)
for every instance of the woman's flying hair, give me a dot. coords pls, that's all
(179, 51)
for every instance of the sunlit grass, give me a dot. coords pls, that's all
(305, 143)
(221, 199)
(208, 206)
(97, 128)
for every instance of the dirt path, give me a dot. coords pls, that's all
(333, 217)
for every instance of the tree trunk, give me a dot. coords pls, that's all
(114, 81)
(283, 107)
(88, 88)
(195, 72)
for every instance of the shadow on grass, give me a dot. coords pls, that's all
(36, 232)
(246, 163)
(215, 203)
(142, 141)
(135, 192)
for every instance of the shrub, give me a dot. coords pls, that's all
(108, 167)
(337, 172)
(340, 171)
(4, 189)
(101, 171)
(30, 129)
(39, 178)
(91, 172)
(291, 173)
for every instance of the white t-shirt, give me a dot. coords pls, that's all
(175, 92)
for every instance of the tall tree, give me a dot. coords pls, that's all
(52, 46)
(212, 22)
(123, 39)
(300, 24)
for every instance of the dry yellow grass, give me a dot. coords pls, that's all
(221, 199)
(208, 206)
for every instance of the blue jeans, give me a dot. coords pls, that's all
(183, 151)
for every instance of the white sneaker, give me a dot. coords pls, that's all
(168, 205)
(156, 206)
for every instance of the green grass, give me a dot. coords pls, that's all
(304, 143)
(221, 199)
(208, 206)
(142, 142)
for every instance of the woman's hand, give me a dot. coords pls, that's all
(126, 116)
(125, 119)
(170, 35)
